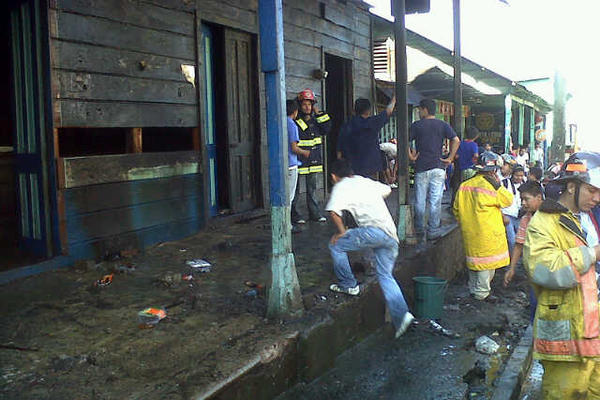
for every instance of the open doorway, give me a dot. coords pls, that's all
(8, 199)
(231, 120)
(338, 92)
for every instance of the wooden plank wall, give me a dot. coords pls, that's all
(117, 63)
(343, 30)
(106, 218)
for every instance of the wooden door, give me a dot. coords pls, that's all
(30, 150)
(242, 117)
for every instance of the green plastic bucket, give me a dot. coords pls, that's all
(429, 296)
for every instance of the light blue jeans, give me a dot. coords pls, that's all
(385, 250)
(511, 232)
(429, 189)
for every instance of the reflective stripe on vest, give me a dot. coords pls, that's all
(310, 142)
(302, 124)
(323, 118)
(310, 170)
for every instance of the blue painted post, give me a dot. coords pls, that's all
(507, 122)
(284, 297)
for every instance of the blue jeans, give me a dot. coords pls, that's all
(429, 189)
(511, 232)
(385, 249)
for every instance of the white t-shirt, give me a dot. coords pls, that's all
(513, 209)
(364, 199)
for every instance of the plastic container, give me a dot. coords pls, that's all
(429, 296)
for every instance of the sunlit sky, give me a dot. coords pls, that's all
(527, 39)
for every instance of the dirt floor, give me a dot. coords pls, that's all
(64, 338)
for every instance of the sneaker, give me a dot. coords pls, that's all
(322, 219)
(406, 322)
(393, 186)
(300, 221)
(353, 291)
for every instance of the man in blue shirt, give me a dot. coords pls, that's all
(429, 134)
(468, 153)
(359, 138)
(294, 150)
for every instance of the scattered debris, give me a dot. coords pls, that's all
(169, 279)
(187, 277)
(20, 348)
(252, 293)
(149, 317)
(125, 268)
(182, 250)
(199, 265)
(447, 350)
(105, 281)
(485, 345)
(440, 329)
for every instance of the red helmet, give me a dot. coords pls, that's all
(307, 94)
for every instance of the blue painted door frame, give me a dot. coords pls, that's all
(209, 124)
(35, 175)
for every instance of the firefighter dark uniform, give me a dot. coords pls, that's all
(311, 134)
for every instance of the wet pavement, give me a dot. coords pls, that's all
(423, 364)
(532, 387)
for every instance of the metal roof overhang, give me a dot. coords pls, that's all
(383, 28)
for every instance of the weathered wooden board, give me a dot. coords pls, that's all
(133, 12)
(104, 32)
(229, 15)
(89, 58)
(293, 85)
(82, 171)
(181, 5)
(120, 220)
(97, 248)
(74, 113)
(301, 52)
(80, 85)
(94, 198)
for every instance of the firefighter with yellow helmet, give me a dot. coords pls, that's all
(313, 125)
(560, 264)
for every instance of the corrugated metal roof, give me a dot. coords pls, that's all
(383, 28)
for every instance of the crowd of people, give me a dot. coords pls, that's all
(509, 211)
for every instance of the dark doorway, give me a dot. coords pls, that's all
(232, 128)
(338, 92)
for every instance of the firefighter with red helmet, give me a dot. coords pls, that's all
(313, 124)
(560, 259)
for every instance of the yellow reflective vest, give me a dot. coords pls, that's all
(561, 269)
(311, 134)
(477, 208)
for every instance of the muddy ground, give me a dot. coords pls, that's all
(63, 338)
(425, 365)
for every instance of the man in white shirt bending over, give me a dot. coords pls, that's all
(364, 198)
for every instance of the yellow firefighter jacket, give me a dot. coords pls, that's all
(561, 268)
(477, 208)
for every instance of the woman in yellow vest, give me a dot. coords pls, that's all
(560, 264)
